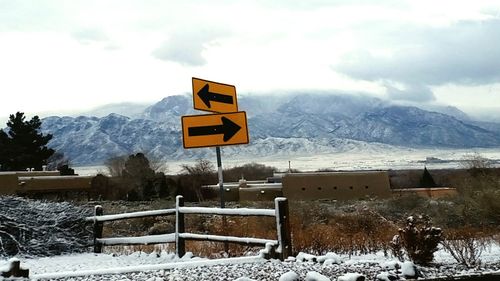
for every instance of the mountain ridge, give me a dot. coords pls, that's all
(302, 123)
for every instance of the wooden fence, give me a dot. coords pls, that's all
(282, 246)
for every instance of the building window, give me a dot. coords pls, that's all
(366, 186)
(335, 187)
(319, 188)
(350, 187)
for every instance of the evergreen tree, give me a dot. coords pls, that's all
(23, 146)
(427, 180)
(4, 140)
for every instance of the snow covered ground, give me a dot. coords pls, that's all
(166, 266)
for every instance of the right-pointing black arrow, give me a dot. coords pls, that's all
(206, 96)
(228, 128)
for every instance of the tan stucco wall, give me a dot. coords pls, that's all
(231, 192)
(436, 192)
(37, 173)
(54, 183)
(336, 185)
(260, 193)
(8, 183)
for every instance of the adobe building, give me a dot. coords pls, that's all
(8, 183)
(428, 192)
(261, 191)
(336, 185)
(44, 184)
(41, 182)
(245, 191)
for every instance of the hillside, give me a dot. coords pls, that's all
(295, 124)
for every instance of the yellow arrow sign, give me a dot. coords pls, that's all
(214, 97)
(214, 130)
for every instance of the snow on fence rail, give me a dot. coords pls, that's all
(142, 214)
(280, 212)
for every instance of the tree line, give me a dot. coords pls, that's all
(133, 177)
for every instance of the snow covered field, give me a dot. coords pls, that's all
(397, 158)
(166, 266)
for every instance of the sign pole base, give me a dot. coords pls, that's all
(221, 193)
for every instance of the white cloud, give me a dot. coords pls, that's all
(90, 35)
(413, 93)
(259, 46)
(187, 47)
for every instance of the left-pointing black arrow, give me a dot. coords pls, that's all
(206, 96)
(228, 128)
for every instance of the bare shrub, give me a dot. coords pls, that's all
(465, 245)
(354, 233)
(40, 228)
(418, 239)
(193, 177)
(479, 193)
(396, 208)
(250, 171)
(475, 163)
(116, 165)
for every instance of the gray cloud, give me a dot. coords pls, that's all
(89, 35)
(464, 53)
(320, 4)
(187, 47)
(412, 93)
(31, 15)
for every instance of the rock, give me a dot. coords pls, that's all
(289, 276)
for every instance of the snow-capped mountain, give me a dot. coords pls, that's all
(295, 124)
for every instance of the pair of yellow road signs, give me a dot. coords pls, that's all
(227, 127)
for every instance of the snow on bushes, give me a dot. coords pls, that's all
(418, 239)
(36, 228)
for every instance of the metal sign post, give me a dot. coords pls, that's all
(221, 193)
(221, 179)
(227, 127)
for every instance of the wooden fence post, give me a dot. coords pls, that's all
(15, 270)
(180, 243)
(283, 227)
(98, 229)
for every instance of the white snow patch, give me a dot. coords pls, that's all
(303, 257)
(149, 239)
(315, 276)
(408, 269)
(142, 268)
(329, 258)
(289, 276)
(244, 279)
(384, 276)
(220, 211)
(391, 265)
(350, 277)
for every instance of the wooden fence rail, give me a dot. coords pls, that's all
(282, 245)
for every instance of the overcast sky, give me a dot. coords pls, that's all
(62, 57)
